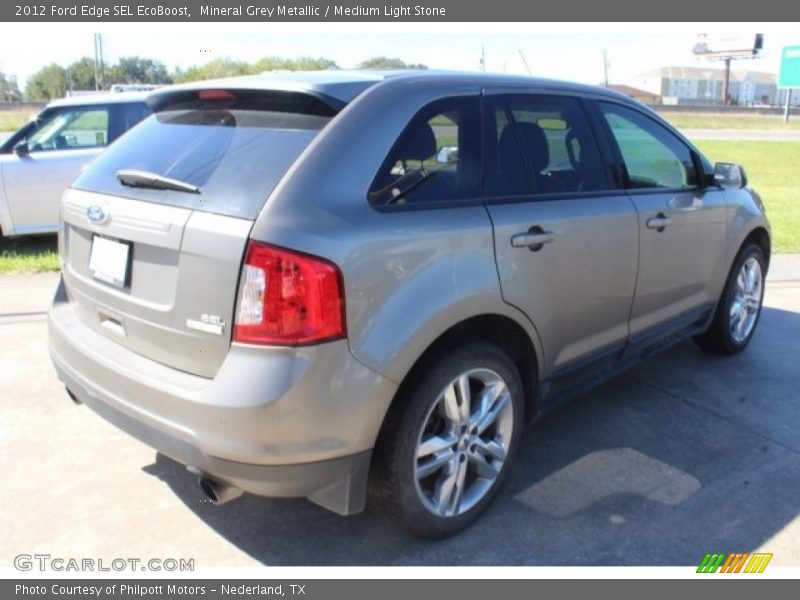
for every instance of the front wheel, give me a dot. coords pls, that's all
(740, 305)
(447, 447)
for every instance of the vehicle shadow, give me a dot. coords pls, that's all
(686, 454)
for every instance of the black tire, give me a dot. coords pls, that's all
(719, 338)
(394, 484)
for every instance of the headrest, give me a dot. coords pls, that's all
(418, 143)
(535, 141)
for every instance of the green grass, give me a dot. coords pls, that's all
(11, 120)
(772, 169)
(32, 254)
(698, 120)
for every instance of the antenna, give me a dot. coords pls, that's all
(524, 61)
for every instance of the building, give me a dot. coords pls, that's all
(644, 96)
(703, 85)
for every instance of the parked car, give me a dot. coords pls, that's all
(274, 281)
(40, 160)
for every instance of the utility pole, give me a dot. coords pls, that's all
(726, 82)
(96, 64)
(605, 67)
(99, 67)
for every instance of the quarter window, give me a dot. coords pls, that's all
(653, 157)
(436, 159)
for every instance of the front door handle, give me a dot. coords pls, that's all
(659, 222)
(533, 239)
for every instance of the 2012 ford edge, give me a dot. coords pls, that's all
(297, 285)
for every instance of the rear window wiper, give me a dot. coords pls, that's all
(146, 179)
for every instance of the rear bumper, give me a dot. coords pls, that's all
(273, 421)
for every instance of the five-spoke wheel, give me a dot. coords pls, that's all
(464, 442)
(447, 444)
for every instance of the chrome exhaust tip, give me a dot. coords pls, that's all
(216, 492)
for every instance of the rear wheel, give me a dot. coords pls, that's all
(740, 306)
(447, 448)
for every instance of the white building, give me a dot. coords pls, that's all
(701, 85)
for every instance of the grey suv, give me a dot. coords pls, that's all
(315, 284)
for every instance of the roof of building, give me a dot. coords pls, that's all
(631, 91)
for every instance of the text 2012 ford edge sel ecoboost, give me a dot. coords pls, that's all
(315, 284)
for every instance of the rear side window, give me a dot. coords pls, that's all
(653, 156)
(234, 150)
(436, 159)
(542, 144)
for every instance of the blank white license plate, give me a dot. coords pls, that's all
(108, 260)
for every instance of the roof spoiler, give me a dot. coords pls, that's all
(307, 102)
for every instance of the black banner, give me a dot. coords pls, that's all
(413, 11)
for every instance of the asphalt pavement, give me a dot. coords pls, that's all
(684, 455)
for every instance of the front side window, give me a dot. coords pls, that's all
(437, 158)
(653, 157)
(70, 128)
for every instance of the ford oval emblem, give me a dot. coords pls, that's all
(96, 214)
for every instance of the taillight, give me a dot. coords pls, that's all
(288, 299)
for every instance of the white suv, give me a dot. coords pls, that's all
(41, 159)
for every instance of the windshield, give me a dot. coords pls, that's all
(234, 156)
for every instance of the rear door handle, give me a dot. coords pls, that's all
(660, 222)
(533, 239)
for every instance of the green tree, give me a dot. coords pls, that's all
(9, 91)
(304, 63)
(382, 62)
(47, 83)
(80, 75)
(220, 67)
(136, 69)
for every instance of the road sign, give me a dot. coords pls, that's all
(790, 68)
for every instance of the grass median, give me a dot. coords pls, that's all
(11, 120)
(698, 120)
(772, 170)
(31, 254)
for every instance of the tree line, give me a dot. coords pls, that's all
(55, 81)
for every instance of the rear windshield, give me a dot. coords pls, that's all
(235, 155)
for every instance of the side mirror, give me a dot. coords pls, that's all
(447, 155)
(729, 175)
(21, 149)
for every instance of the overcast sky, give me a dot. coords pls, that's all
(565, 51)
